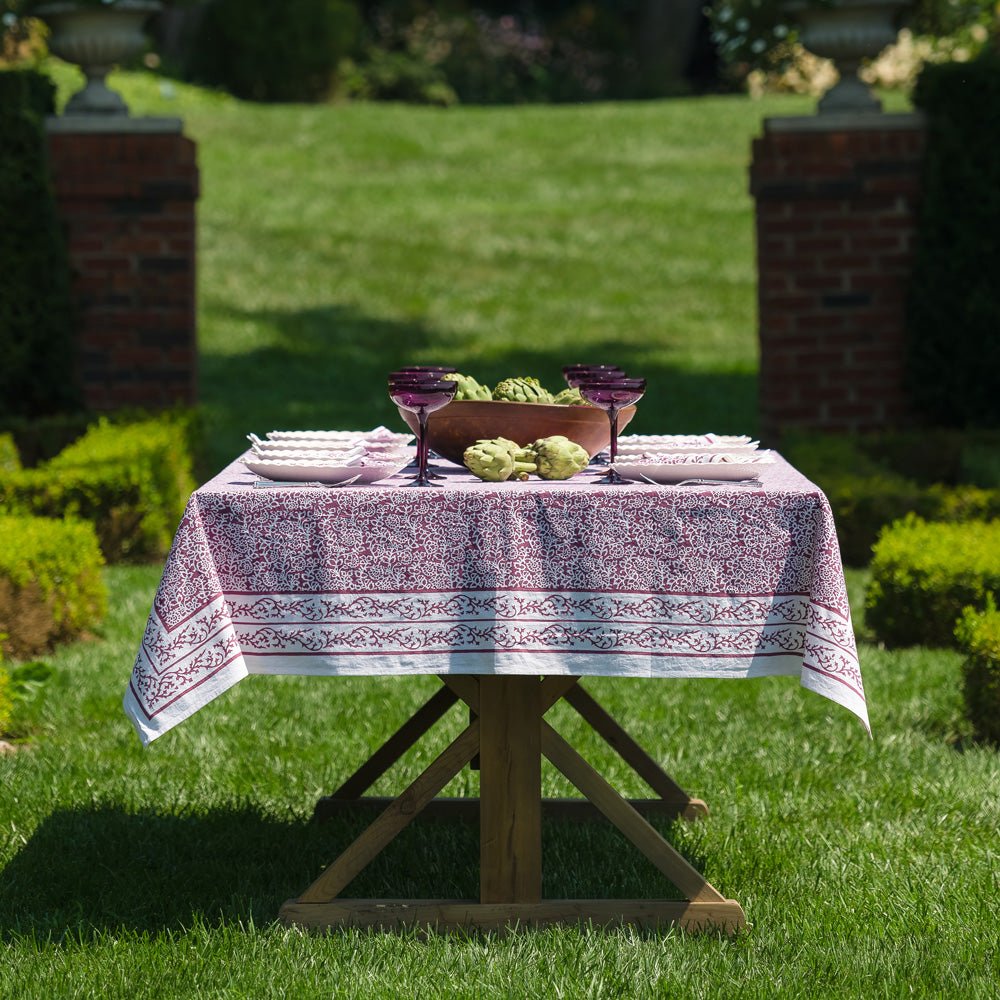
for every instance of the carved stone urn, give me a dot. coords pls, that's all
(848, 32)
(96, 36)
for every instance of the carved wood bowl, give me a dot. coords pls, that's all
(453, 428)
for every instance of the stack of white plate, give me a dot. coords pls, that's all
(329, 456)
(671, 458)
(671, 444)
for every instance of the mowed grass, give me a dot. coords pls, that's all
(335, 243)
(866, 868)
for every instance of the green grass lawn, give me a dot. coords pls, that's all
(335, 243)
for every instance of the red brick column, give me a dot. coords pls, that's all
(126, 195)
(836, 200)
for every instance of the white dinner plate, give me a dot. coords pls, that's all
(376, 434)
(328, 456)
(365, 470)
(745, 466)
(686, 442)
(665, 448)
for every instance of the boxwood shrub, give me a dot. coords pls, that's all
(978, 635)
(131, 481)
(10, 459)
(923, 576)
(38, 439)
(874, 480)
(6, 701)
(51, 588)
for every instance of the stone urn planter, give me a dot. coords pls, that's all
(96, 36)
(848, 32)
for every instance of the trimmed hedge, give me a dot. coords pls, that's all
(131, 481)
(978, 635)
(40, 438)
(875, 480)
(925, 574)
(10, 459)
(37, 339)
(953, 309)
(6, 701)
(51, 588)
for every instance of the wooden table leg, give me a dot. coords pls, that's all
(386, 755)
(673, 797)
(510, 736)
(510, 790)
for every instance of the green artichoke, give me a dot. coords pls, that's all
(522, 390)
(516, 451)
(498, 459)
(557, 457)
(468, 387)
(570, 397)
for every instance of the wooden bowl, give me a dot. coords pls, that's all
(453, 428)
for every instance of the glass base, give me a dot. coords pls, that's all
(610, 478)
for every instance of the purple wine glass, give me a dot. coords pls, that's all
(575, 374)
(422, 398)
(612, 396)
(410, 378)
(430, 370)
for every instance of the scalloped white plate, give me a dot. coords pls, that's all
(664, 448)
(687, 442)
(674, 472)
(301, 470)
(376, 434)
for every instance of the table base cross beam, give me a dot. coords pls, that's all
(508, 734)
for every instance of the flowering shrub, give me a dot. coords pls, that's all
(473, 56)
(757, 41)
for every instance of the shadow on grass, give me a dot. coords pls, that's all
(325, 367)
(86, 870)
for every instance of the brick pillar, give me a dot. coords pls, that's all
(836, 199)
(125, 191)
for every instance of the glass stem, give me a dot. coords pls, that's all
(422, 444)
(613, 417)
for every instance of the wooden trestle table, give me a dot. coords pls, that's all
(509, 593)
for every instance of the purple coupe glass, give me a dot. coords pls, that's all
(421, 396)
(612, 396)
(575, 374)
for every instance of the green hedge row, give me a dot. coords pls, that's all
(925, 574)
(874, 480)
(37, 339)
(6, 701)
(978, 635)
(131, 481)
(51, 588)
(40, 438)
(10, 458)
(954, 298)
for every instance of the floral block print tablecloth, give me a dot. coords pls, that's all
(496, 578)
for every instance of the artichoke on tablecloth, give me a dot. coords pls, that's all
(468, 387)
(498, 459)
(558, 457)
(521, 390)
